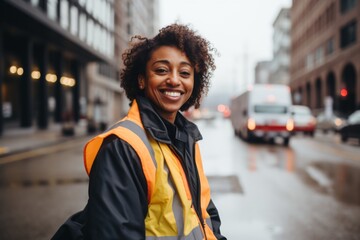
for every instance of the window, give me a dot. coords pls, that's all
(90, 6)
(35, 2)
(272, 109)
(82, 28)
(96, 36)
(111, 20)
(82, 3)
(89, 31)
(348, 34)
(52, 9)
(347, 5)
(329, 46)
(319, 55)
(111, 45)
(128, 9)
(74, 20)
(64, 14)
(309, 61)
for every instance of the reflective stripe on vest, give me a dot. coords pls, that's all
(169, 198)
(133, 134)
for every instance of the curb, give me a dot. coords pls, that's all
(41, 145)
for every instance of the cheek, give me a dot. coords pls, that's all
(190, 86)
(192, 89)
(150, 83)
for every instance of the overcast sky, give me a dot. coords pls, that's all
(241, 31)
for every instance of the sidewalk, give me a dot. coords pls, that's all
(18, 139)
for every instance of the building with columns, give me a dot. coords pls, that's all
(325, 54)
(107, 101)
(60, 58)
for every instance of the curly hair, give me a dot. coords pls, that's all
(197, 49)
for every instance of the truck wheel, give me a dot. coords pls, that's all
(286, 141)
(344, 138)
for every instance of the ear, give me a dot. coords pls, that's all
(141, 81)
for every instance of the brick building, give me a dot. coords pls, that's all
(325, 53)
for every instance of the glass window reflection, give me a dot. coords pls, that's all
(82, 29)
(64, 14)
(82, 3)
(52, 9)
(89, 32)
(74, 20)
(35, 2)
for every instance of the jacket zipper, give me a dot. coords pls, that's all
(201, 220)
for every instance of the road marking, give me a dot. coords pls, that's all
(41, 151)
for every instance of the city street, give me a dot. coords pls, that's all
(69, 69)
(307, 191)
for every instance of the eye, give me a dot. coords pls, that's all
(161, 71)
(185, 73)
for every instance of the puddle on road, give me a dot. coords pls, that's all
(339, 180)
(282, 158)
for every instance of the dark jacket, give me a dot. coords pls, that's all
(117, 203)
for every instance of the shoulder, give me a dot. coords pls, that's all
(116, 156)
(115, 145)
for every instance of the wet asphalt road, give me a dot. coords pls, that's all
(309, 190)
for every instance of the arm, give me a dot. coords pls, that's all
(117, 203)
(215, 220)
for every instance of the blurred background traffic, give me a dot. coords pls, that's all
(281, 123)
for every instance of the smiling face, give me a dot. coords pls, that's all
(168, 81)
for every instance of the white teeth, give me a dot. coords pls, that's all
(172, 94)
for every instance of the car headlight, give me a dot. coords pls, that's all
(251, 124)
(290, 125)
(338, 122)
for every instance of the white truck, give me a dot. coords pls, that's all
(263, 112)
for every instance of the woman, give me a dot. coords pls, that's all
(146, 175)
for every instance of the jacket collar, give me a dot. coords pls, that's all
(155, 125)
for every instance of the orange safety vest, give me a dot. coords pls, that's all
(170, 212)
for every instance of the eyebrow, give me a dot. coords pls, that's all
(168, 62)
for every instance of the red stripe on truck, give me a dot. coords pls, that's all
(270, 128)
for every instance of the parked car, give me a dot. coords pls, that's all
(329, 123)
(352, 128)
(304, 120)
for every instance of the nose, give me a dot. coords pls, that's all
(173, 79)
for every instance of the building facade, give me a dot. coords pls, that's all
(107, 101)
(325, 54)
(281, 48)
(263, 71)
(60, 59)
(276, 70)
